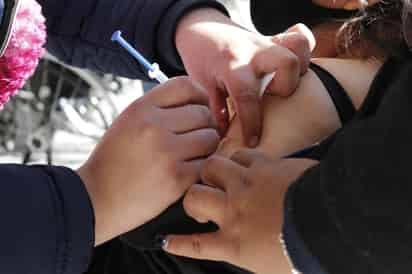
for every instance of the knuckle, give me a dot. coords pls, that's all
(181, 81)
(237, 154)
(237, 216)
(196, 245)
(235, 230)
(205, 115)
(185, 85)
(210, 163)
(176, 177)
(228, 54)
(148, 131)
(213, 138)
(245, 180)
(191, 198)
(301, 41)
(244, 79)
(204, 173)
(191, 203)
(245, 95)
(208, 168)
(291, 63)
(235, 249)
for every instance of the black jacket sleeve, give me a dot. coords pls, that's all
(47, 221)
(79, 32)
(352, 213)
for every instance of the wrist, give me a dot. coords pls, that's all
(189, 23)
(102, 233)
(273, 255)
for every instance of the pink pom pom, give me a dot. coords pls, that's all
(25, 49)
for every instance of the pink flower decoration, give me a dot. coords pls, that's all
(25, 48)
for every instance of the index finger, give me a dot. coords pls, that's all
(300, 40)
(209, 246)
(179, 91)
(244, 90)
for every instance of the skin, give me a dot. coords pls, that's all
(259, 179)
(233, 61)
(147, 122)
(293, 123)
(120, 178)
(146, 149)
(245, 190)
(345, 4)
(325, 33)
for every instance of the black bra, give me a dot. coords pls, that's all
(344, 107)
(343, 104)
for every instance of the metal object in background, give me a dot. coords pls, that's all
(60, 105)
(57, 97)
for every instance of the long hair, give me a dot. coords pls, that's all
(387, 25)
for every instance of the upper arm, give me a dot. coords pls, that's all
(306, 117)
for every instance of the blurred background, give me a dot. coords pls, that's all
(62, 112)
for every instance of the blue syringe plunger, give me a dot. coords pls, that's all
(152, 69)
(117, 37)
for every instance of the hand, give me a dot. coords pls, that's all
(244, 197)
(149, 157)
(230, 61)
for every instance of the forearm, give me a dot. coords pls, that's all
(192, 32)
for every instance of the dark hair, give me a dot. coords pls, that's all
(387, 25)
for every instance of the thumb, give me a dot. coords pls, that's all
(300, 40)
(303, 30)
(208, 246)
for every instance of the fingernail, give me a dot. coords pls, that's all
(254, 141)
(161, 242)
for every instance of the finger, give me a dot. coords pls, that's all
(210, 246)
(282, 61)
(187, 118)
(200, 195)
(217, 99)
(197, 144)
(244, 88)
(299, 40)
(248, 157)
(189, 173)
(179, 91)
(222, 172)
(306, 32)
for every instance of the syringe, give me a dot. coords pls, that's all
(153, 70)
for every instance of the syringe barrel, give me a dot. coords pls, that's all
(157, 74)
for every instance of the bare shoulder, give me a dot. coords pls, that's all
(355, 75)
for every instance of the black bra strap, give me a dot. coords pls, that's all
(344, 106)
